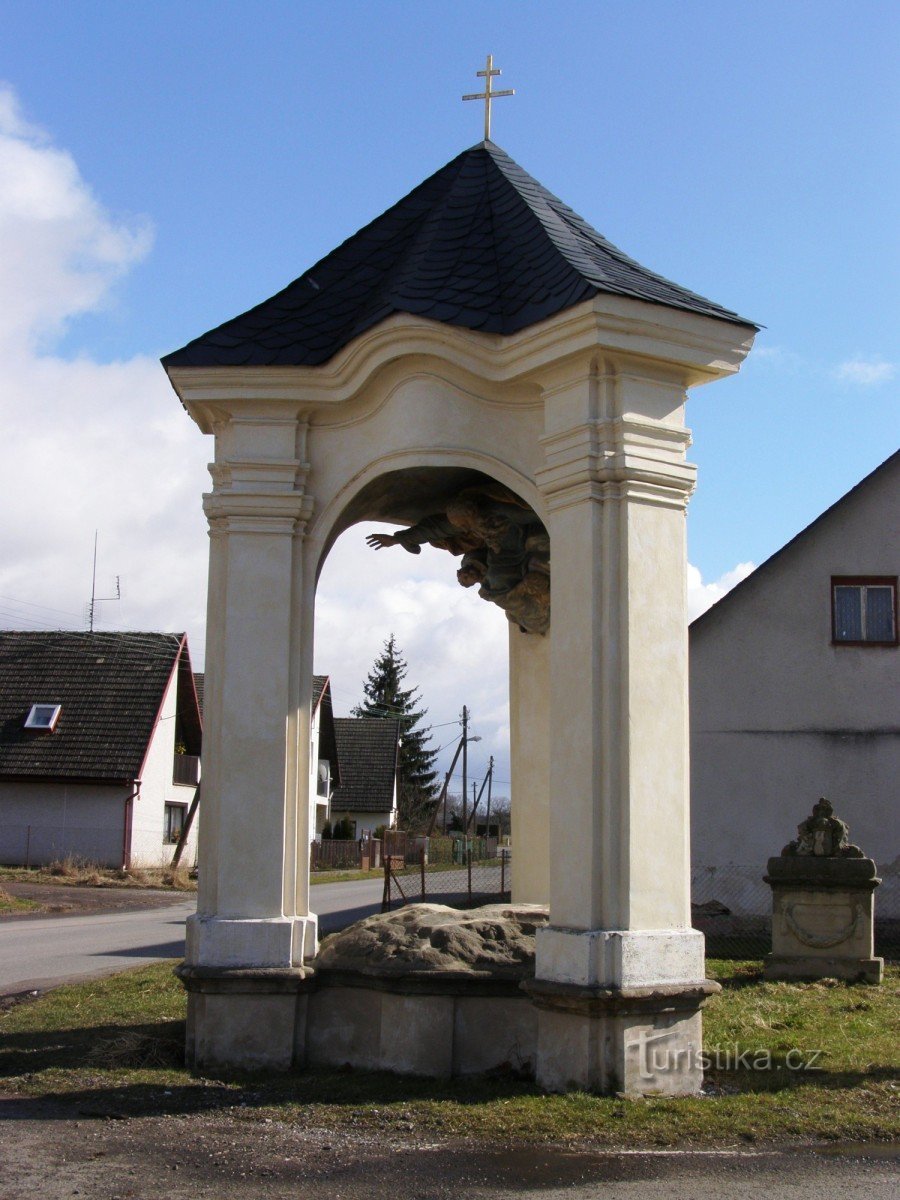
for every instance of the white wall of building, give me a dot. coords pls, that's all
(780, 716)
(148, 845)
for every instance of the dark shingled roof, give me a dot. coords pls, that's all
(367, 753)
(110, 687)
(480, 244)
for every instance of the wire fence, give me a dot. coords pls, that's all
(732, 906)
(458, 875)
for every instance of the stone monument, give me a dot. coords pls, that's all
(823, 890)
(482, 368)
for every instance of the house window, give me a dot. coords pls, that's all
(173, 821)
(864, 610)
(43, 716)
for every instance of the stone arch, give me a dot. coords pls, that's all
(374, 495)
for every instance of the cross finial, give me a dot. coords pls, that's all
(487, 95)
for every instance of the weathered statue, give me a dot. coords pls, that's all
(823, 835)
(505, 549)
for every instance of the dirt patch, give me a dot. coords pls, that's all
(58, 899)
(52, 1150)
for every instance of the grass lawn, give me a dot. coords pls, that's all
(114, 1047)
(342, 876)
(12, 904)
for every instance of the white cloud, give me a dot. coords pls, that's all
(702, 596)
(456, 645)
(86, 445)
(865, 372)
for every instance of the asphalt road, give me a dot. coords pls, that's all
(43, 952)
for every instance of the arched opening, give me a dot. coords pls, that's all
(456, 645)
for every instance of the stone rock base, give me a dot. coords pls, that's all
(245, 1019)
(637, 1041)
(819, 966)
(436, 992)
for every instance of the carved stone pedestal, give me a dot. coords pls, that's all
(641, 1041)
(249, 1019)
(822, 919)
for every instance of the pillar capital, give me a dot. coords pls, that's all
(258, 512)
(617, 458)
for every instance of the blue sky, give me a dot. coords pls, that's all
(747, 151)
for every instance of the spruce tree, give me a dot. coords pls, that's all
(386, 697)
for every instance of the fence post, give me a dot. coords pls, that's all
(386, 894)
(469, 871)
(502, 872)
(28, 848)
(422, 869)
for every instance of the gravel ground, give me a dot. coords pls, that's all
(51, 1151)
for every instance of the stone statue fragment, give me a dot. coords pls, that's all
(505, 551)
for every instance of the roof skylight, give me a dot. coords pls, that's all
(43, 716)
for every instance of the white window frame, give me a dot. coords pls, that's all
(37, 720)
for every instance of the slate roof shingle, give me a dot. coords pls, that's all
(480, 244)
(367, 750)
(110, 687)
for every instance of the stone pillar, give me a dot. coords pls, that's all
(620, 973)
(253, 929)
(529, 743)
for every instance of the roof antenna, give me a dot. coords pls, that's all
(95, 599)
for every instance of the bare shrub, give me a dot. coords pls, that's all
(133, 1048)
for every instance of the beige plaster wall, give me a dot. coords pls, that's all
(81, 819)
(780, 716)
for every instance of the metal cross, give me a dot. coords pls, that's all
(487, 95)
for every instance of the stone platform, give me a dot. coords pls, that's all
(438, 992)
(427, 990)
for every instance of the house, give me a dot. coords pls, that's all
(324, 771)
(100, 737)
(795, 694)
(368, 750)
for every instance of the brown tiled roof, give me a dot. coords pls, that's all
(480, 244)
(199, 682)
(110, 687)
(367, 753)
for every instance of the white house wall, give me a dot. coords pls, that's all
(780, 716)
(148, 848)
(40, 822)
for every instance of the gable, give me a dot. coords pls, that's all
(367, 756)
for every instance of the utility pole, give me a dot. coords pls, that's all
(465, 787)
(490, 779)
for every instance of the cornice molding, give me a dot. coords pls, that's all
(696, 349)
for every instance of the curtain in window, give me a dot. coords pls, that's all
(848, 614)
(879, 614)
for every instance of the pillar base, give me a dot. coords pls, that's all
(619, 957)
(246, 1019)
(251, 942)
(818, 966)
(633, 1040)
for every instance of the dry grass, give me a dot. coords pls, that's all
(72, 871)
